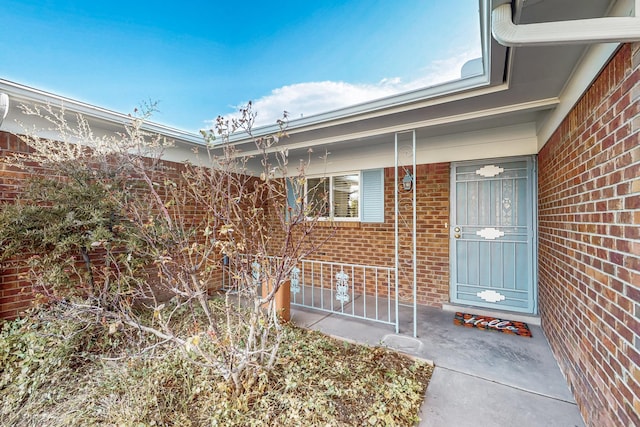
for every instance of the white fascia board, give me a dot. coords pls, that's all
(407, 101)
(20, 94)
(505, 141)
(542, 104)
(464, 91)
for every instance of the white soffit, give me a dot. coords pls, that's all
(460, 118)
(585, 73)
(502, 141)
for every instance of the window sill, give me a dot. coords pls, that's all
(338, 224)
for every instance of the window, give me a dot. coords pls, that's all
(349, 196)
(336, 196)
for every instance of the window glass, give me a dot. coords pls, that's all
(346, 195)
(318, 196)
(334, 196)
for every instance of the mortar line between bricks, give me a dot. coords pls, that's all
(507, 385)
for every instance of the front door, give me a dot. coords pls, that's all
(492, 234)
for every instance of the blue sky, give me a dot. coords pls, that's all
(200, 59)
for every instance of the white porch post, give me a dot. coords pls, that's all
(414, 256)
(397, 241)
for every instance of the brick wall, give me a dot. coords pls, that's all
(15, 288)
(15, 295)
(374, 243)
(589, 247)
(359, 243)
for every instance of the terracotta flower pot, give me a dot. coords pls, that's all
(282, 298)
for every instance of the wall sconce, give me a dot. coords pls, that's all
(407, 181)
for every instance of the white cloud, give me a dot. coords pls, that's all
(306, 99)
(444, 70)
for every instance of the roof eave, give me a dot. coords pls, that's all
(21, 94)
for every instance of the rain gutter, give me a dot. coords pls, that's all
(21, 94)
(582, 31)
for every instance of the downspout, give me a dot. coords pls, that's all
(581, 31)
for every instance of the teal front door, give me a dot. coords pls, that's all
(492, 234)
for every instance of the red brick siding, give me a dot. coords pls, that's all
(15, 289)
(374, 243)
(359, 243)
(15, 294)
(589, 244)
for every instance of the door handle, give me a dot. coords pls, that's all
(457, 229)
(457, 235)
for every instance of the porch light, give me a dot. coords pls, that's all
(407, 181)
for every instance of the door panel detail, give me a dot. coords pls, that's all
(489, 171)
(490, 233)
(491, 296)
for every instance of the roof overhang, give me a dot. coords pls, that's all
(104, 119)
(519, 85)
(525, 84)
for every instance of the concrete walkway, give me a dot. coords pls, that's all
(482, 378)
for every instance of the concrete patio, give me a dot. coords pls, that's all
(482, 378)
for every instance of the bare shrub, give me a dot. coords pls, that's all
(164, 229)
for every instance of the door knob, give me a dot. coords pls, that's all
(457, 229)
(457, 235)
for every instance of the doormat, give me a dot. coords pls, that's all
(492, 324)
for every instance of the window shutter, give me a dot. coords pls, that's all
(291, 200)
(372, 195)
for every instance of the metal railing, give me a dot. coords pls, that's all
(361, 291)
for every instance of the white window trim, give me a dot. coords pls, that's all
(330, 178)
